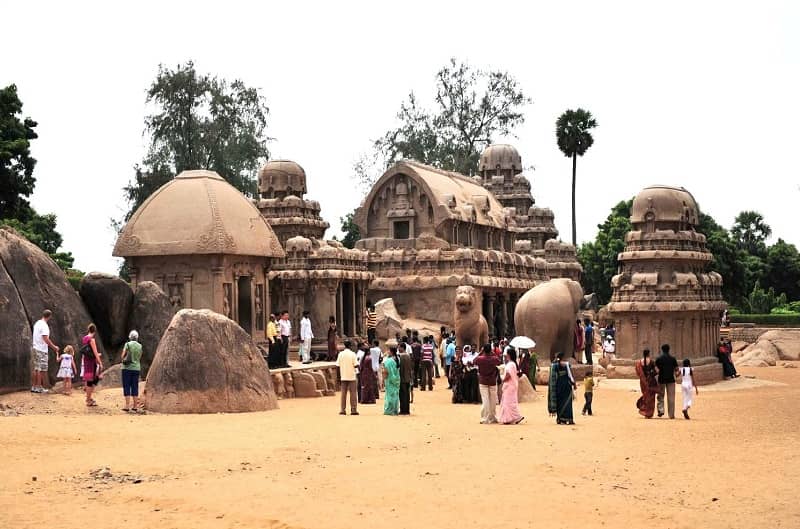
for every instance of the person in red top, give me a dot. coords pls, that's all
(487, 379)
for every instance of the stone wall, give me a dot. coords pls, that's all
(305, 382)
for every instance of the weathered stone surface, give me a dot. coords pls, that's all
(599, 371)
(771, 347)
(525, 393)
(546, 314)
(321, 383)
(389, 321)
(470, 325)
(304, 385)
(206, 363)
(30, 281)
(150, 316)
(277, 384)
(112, 377)
(108, 300)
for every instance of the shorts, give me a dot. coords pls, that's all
(41, 360)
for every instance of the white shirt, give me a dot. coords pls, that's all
(375, 355)
(305, 329)
(359, 358)
(285, 327)
(346, 362)
(468, 358)
(40, 330)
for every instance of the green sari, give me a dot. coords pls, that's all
(391, 399)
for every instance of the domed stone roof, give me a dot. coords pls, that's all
(665, 204)
(197, 212)
(283, 177)
(500, 155)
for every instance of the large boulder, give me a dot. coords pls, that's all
(389, 321)
(206, 363)
(30, 281)
(108, 300)
(150, 316)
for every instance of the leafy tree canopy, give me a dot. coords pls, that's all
(572, 132)
(350, 230)
(200, 121)
(599, 257)
(750, 232)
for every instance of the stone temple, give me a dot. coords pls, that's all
(664, 292)
(424, 232)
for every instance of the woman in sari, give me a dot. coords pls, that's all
(391, 377)
(648, 383)
(509, 406)
(332, 352)
(559, 397)
(369, 382)
(456, 375)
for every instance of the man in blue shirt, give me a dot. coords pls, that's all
(449, 354)
(589, 340)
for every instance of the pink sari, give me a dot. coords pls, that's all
(509, 406)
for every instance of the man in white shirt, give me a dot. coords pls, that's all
(375, 355)
(39, 352)
(348, 365)
(285, 328)
(305, 338)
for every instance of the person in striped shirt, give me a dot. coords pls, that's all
(372, 322)
(426, 364)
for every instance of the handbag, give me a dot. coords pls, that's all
(128, 360)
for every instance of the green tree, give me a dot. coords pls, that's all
(16, 163)
(762, 301)
(17, 181)
(472, 107)
(783, 269)
(200, 121)
(574, 139)
(350, 230)
(728, 259)
(750, 231)
(599, 257)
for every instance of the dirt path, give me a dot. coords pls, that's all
(304, 466)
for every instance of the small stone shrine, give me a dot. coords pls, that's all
(664, 292)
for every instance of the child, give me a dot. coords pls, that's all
(687, 384)
(588, 391)
(67, 369)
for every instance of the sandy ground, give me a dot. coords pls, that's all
(304, 466)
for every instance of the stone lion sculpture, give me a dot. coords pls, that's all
(470, 325)
(547, 313)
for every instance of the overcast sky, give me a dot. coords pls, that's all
(696, 94)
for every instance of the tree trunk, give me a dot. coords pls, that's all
(574, 228)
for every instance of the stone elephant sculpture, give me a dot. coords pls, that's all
(547, 313)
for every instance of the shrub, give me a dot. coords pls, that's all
(782, 310)
(772, 320)
(794, 306)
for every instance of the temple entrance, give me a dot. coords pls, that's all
(244, 305)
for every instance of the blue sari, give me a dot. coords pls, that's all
(559, 397)
(391, 400)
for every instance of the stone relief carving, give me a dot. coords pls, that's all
(227, 296)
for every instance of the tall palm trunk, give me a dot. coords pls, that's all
(574, 228)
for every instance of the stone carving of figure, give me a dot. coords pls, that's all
(226, 300)
(259, 301)
(176, 295)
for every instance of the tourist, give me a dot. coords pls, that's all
(667, 368)
(406, 364)
(391, 377)
(285, 328)
(67, 368)
(509, 405)
(372, 322)
(578, 338)
(724, 351)
(588, 394)
(470, 391)
(611, 331)
(274, 347)
(588, 340)
(687, 385)
(648, 383)
(609, 347)
(456, 377)
(426, 364)
(40, 353)
(441, 350)
(348, 364)
(131, 367)
(92, 364)
(367, 378)
(487, 364)
(559, 397)
(375, 355)
(360, 353)
(524, 361)
(332, 333)
(306, 335)
(449, 354)
(416, 357)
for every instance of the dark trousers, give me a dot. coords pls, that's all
(426, 375)
(447, 376)
(417, 374)
(405, 397)
(349, 387)
(130, 383)
(588, 353)
(274, 354)
(436, 368)
(370, 336)
(587, 406)
(358, 386)
(284, 356)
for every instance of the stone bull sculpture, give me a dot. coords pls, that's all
(547, 313)
(470, 325)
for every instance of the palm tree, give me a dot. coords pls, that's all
(751, 231)
(574, 138)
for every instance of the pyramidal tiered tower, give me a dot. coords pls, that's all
(664, 292)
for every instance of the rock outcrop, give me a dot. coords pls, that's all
(150, 316)
(108, 300)
(771, 347)
(206, 363)
(30, 281)
(389, 322)
(525, 393)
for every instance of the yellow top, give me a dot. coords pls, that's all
(588, 384)
(272, 331)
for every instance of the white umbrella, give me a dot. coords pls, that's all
(522, 342)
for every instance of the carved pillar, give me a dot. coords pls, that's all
(187, 291)
(354, 311)
(339, 309)
(217, 280)
(503, 316)
(133, 273)
(490, 316)
(636, 343)
(657, 326)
